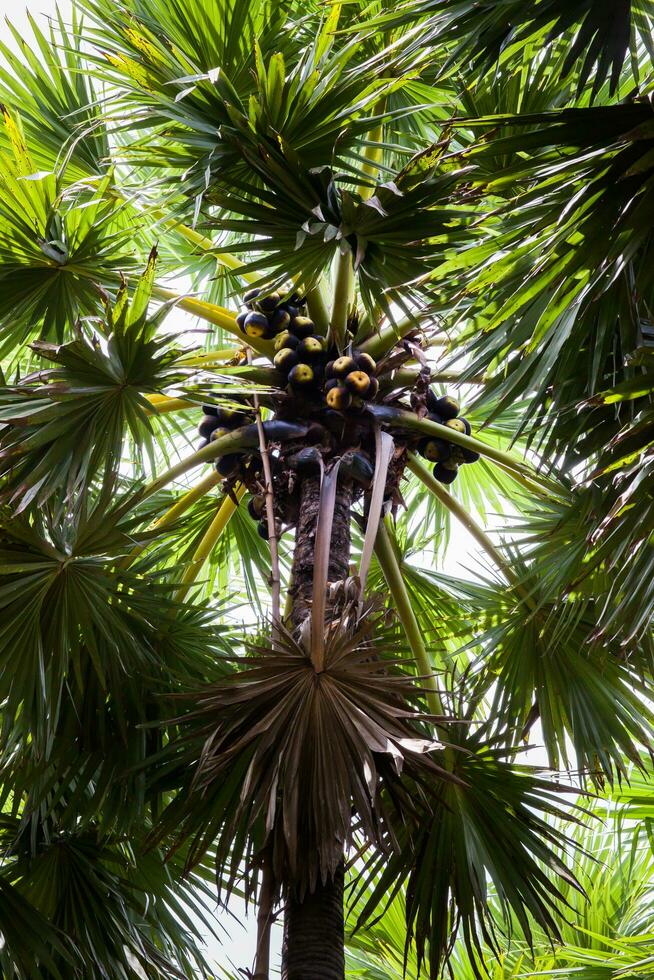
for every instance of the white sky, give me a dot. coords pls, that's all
(463, 555)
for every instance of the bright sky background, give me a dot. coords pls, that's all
(463, 555)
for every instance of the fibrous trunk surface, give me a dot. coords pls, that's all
(314, 937)
(314, 927)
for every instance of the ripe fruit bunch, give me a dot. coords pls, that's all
(218, 422)
(350, 380)
(300, 355)
(442, 452)
(264, 318)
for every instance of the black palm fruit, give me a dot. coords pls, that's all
(358, 467)
(329, 370)
(269, 303)
(219, 432)
(435, 450)
(286, 339)
(338, 398)
(285, 359)
(443, 474)
(256, 506)
(302, 326)
(311, 347)
(459, 425)
(332, 383)
(357, 382)
(256, 325)
(279, 319)
(447, 407)
(231, 418)
(228, 465)
(307, 460)
(373, 389)
(207, 426)
(470, 456)
(365, 362)
(342, 366)
(301, 376)
(251, 295)
(262, 528)
(202, 443)
(456, 457)
(241, 318)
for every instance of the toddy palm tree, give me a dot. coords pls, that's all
(375, 213)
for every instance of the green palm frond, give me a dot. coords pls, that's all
(58, 247)
(117, 913)
(599, 33)
(536, 650)
(57, 103)
(496, 826)
(64, 425)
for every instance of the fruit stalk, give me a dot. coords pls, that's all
(223, 516)
(397, 587)
(343, 284)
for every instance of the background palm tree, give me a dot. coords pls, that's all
(458, 196)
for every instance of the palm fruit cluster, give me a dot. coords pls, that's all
(446, 456)
(264, 318)
(311, 369)
(217, 422)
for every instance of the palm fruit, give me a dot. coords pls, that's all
(285, 359)
(231, 418)
(302, 326)
(459, 425)
(279, 319)
(358, 383)
(311, 347)
(365, 362)
(435, 450)
(307, 460)
(219, 432)
(256, 506)
(256, 325)
(262, 528)
(455, 458)
(447, 407)
(342, 366)
(332, 383)
(470, 456)
(373, 388)
(301, 376)
(202, 443)
(207, 425)
(241, 318)
(338, 398)
(251, 295)
(443, 474)
(358, 467)
(228, 464)
(269, 303)
(286, 339)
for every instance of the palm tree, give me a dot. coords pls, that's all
(412, 206)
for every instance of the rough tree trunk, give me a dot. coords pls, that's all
(314, 936)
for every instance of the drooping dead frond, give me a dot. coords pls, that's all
(286, 755)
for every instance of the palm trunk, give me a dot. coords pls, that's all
(314, 935)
